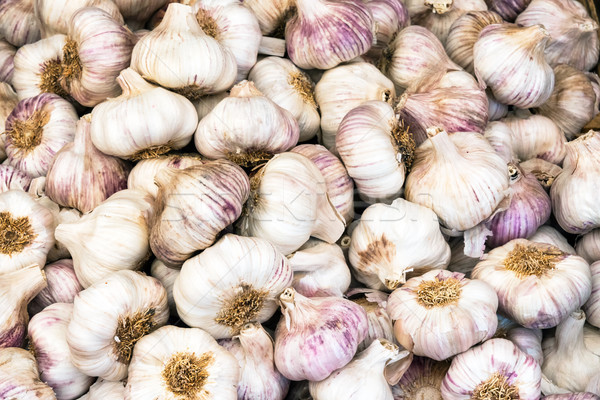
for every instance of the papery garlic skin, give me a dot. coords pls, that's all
(62, 286)
(422, 380)
(549, 235)
(167, 277)
(588, 246)
(390, 17)
(543, 170)
(12, 178)
(385, 244)
(104, 389)
(48, 335)
(524, 79)
(8, 101)
(36, 130)
(20, 25)
(163, 359)
(96, 250)
(496, 364)
(110, 317)
(592, 306)
(7, 54)
(144, 121)
(233, 282)
(55, 15)
(538, 293)
(536, 137)
(19, 376)
(271, 14)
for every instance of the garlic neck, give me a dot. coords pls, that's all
(180, 18)
(379, 354)
(569, 334)
(132, 83)
(443, 147)
(245, 89)
(83, 138)
(257, 345)
(310, 8)
(439, 6)
(584, 150)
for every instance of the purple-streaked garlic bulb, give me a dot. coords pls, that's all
(62, 286)
(380, 323)
(507, 9)
(588, 246)
(545, 171)
(422, 380)
(7, 54)
(536, 136)
(19, 25)
(592, 307)
(12, 178)
(20, 378)
(390, 17)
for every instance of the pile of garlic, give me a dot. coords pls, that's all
(299, 199)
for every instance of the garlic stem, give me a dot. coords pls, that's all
(132, 83)
(569, 333)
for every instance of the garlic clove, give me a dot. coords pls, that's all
(20, 378)
(592, 306)
(167, 277)
(8, 101)
(547, 234)
(20, 26)
(12, 178)
(380, 323)
(390, 17)
(103, 389)
(588, 246)
(271, 14)
(62, 286)
(7, 54)
(422, 380)
(544, 171)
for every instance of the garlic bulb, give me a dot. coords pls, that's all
(36, 130)
(288, 203)
(38, 68)
(259, 379)
(247, 128)
(500, 136)
(346, 25)
(109, 318)
(572, 347)
(7, 54)
(363, 377)
(8, 101)
(291, 89)
(377, 149)
(496, 368)
(422, 380)
(62, 286)
(547, 234)
(103, 389)
(385, 244)
(496, 110)
(320, 270)
(55, 15)
(12, 178)
(345, 87)
(522, 79)
(197, 64)
(19, 376)
(143, 173)
(144, 121)
(529, 341)
(315, 336)
(573, 101)
(380, 323)
(573, 34)
(271, 14)
(537, 284)
(233, 282)
(17, 288)
(464, 33)
(507, 9)
(340, 187)
(573, 193)
(454, 102)
(137, 12)
(20, 25)
(588, 246)
(428, 311)
(97, 249)
(592, 307)
(82, 177)
(48, 337)
(193, 206)
(463, 161)
(97, 49)
(180, 363)
(390, 17)
(167, 277)
(544, 171)
(536, 136)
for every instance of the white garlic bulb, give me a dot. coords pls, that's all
(271, 14)
(167, 277)
(246, 127)
(290, 88)
(7, 54)
(144, 121)
(197, 64)
(104, 389)
(19, 26)
(288, 203)
(549, 235)
(8, 101)
(536, 136)
(523, 78)
(588, 246)
(537, 284)
(19, 376)
(380, 323)
(64, 215)
(36, 130)
(109, 318)
(390, 17)
(592, 306)
(48, 337)
(62, 286)
(213, 197)
(97, 249)
(529, 341)
(544, 171)
(422, 380)
(386, 242)
(12, 178)
(177, 362)
(54, 15)
(233, 282)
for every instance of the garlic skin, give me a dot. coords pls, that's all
(7, 54)
(81, 176)
(315, 336)
(320, 270)
(592, 306)
(536, 136)
(345, 87)
(588, 246)
(19, 376)
(573, 192)
(167, 277)
(211, 69)
(62, 286)
(496, 366)
(369, 367)
(464, 33)
(380, 323)
(529, 341)
(537, 284)
(544, 171)
(110, 317)
(422, 380)
(233, 282)
(55, 15)
(496, 110)
(88, 238)
(48, 336)
(18, 288)
(12, 178)
(426, 310)
(246, 128)
(377, 150)
(291, 89)
(500, 136)
(390, 17)
(259, 379)
(20, 25)
(444, 163)
(271, 14)
(98, 48)
(347, 25)
(144, 121)
(205, 104)
(215, 193)
(529, 85)
(36, 130)
(384, 245)
(103, 389)
(64, 215)
(143, 173)
(173, 362)
(509, 10)
(288, 204)
(549, 235)
(8, 101)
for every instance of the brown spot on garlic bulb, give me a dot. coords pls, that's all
(20, 26)
(20, 378)
(588, 246)
(422, 380)
(16, 233)
(7, 54)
